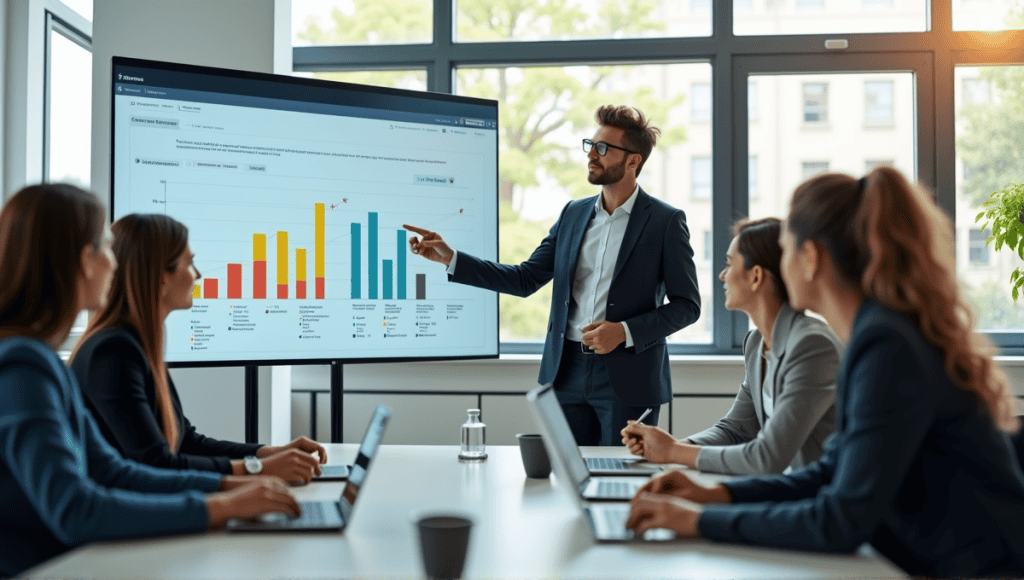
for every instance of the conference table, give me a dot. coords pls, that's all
(523, 528)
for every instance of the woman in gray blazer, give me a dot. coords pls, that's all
(785, 408)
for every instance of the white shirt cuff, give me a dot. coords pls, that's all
(629, 337)
(451, 268)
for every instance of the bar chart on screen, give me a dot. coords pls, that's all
(315, 268)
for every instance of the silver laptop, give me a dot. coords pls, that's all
(607, 519)
(327, 515)
(559, 441)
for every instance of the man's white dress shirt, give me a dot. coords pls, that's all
(594, 269)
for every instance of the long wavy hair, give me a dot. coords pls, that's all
(146, 246)
(43, 230)
(888, 238)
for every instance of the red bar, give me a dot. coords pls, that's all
(300, 288)
(234, 281)
(282, 291)
(209, 288)
(259, 279)
(319, 288)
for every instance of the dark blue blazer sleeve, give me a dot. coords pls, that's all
(81, 490)
(518, 280)
(888, 417)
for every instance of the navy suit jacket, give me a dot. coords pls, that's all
(655, 263)
(916, 467)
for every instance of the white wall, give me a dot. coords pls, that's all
(251, 35)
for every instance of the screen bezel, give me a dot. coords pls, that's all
(121, 61)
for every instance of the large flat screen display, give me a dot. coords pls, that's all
(294, 192)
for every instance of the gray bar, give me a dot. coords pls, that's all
(421, 286)
(154, 122)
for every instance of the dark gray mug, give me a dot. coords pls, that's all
(444, 540)
(535, 456)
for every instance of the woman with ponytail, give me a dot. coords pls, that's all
(921, 465)
(120, 365)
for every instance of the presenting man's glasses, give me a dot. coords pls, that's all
(602, 147)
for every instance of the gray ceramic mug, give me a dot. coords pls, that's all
(444, 541)
(535, 456)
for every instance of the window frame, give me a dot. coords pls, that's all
(55, 24)
(932, 56)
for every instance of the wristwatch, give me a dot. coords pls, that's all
(253, 465)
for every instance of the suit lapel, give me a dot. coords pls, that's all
(780, 338)
(757, 381)
(576, 240)
(637, 220)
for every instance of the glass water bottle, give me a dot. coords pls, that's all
(473, 437)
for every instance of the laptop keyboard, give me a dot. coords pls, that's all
(613, 518)
(604, 463)
(313, 514)
(615, 489)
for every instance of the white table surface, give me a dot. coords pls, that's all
(524, 528)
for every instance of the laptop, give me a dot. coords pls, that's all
(561, 444)
(327, 515)
(607, 519)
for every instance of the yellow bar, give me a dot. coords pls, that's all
(197, 291)
(300, 264)
(259, 247)
(282, 257)
(319, 240)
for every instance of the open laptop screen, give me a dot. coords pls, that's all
(357, 475)
(561, 434)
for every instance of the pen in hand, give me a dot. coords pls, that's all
(640, 420)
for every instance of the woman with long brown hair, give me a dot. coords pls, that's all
(61, 484)
(921, 465)
(120, 365)
(785, 408)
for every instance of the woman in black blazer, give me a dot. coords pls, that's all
(921, 465)
(120, 367)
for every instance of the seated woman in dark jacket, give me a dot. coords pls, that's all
(921, 465)
(61, 484)
(120, 366)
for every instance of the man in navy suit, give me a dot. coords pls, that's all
(624, 279)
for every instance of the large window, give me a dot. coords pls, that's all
(782, 108)
(989, 134)
(68, 124)
(545, 112)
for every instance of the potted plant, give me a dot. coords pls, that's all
(1004, 213)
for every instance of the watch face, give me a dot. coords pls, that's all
(253, 465)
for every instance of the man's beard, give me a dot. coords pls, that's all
(613, 174)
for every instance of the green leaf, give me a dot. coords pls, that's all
(1015, 292)
(1011, 238)
(980, 215)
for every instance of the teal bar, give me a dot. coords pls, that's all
(357, 238)
(371, 248)
(388, 284)
(400, 250)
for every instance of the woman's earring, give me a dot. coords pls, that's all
(808, 275)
